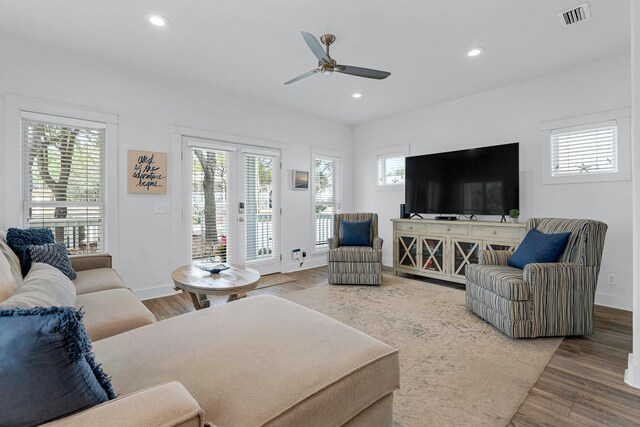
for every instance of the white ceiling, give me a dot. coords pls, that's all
(252, 46)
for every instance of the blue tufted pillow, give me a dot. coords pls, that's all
(539, 247)
(356, 233)
(47, 369)
(54, 254)
(20, 239)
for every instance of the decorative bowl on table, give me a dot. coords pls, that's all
(213, 268)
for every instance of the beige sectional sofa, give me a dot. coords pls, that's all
(260, 361)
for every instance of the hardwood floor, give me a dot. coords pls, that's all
(582, 385)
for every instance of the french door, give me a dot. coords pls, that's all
(233, 204)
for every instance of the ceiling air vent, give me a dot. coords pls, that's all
(575, 15)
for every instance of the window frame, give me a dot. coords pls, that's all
(336, 204)
(384, 158)
(623, 122)
(14, 107)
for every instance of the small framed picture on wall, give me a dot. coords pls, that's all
(300, 180)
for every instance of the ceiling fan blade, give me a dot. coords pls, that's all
(362, 72)
(315, 46)
(302, 76)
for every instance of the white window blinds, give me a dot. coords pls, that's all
(391, 169)
(584, 150)
(63, 179)
(209, 195)
(328, 197)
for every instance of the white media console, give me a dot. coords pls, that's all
(442, 249)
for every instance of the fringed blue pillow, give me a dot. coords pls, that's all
(47, 370)
(19, 241)
(54, 254)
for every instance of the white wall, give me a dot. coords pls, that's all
(148, 108)
(513, 114)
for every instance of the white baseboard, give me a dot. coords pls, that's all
(613, 301)
(387, 262)
(632, 373)
(155, 292)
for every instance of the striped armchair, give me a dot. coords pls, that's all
(552, 299)
(355, 265)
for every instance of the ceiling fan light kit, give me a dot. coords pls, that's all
(328, 65)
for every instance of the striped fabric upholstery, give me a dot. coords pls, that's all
(355, 265)
(556, 299)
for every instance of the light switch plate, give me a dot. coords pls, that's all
(161, 208)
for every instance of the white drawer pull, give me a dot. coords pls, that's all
(495, 232)
(448, 229)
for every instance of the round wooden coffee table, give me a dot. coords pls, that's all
(235, 282)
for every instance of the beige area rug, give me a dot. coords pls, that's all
(456, 369)
(274, 279)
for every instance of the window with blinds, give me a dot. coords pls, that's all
(258, 210)
(63, 179)
(583, 150)
(327, 176)
(209, 195)
(391, 169)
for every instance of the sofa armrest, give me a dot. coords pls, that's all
(377, 243)
(334, 243)
(494, 257)
(166, 405)
(90, 261)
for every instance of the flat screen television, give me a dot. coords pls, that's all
(479, 181)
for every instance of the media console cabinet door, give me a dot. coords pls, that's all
(433, 254)
(407, 251)
(465, 252)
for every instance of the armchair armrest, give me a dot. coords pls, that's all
(90, 261)
(494, 257)
(165, 405)
(562, 298)
(334, 243)
(377, 243)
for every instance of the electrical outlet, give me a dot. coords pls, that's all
(296, 254)
(611, 279)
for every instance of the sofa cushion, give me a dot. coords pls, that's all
(44, 286)
(258, 361)
(12, 258)
(356, 233)
(539, 247)
(98, 279)
(54, 254)
(112, 312)
(355, 254)
(47, 369)
(20, 239)
(505, 281)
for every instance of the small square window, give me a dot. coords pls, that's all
(391, 170)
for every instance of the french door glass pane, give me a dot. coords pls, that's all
(209, 229)
(259, 207)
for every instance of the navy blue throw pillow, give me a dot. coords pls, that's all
(539, 247)
(47, 369)
(54, 254)
(356, 233)
(20, 239)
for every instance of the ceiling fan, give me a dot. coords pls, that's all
(327, 65)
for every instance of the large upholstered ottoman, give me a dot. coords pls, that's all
(261, 361)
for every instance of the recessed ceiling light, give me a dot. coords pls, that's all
(475, 51)
(357, 95)
(157, 20)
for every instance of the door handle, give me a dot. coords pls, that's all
(241, 219)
